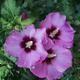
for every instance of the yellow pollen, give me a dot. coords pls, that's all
(54, 32)
(29, 44)
(51, 55)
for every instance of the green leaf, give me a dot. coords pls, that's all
(55, 1)
(13, 59)
(7, 54)
(28, 21)
(18, 20)
(9, 9)
(17, 27)
(2, 71)
(68, 10)
(28, 3)
(3, 21)
(78, 8)
(49, 3)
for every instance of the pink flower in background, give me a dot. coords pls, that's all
(24, 16)
(58, 30)
(57, 61)
(27, 46)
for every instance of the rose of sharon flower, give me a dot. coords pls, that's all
(58, 30)
(57, 61)
(24, 16)
(27, 46)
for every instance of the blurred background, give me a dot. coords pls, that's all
(36, 10)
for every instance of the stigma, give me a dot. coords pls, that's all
(29, 44)
(52, 34)
(51, 55)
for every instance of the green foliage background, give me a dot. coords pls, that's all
(36, 10)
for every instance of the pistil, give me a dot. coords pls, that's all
(54, 32)
(51, 55)
(29, 44)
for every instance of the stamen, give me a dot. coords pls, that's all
(54, 32)
(29, 44)
(51, 55)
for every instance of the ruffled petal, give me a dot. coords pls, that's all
(52, 73)
(63, 59)
(49, 44)
(40, 34)
(63, 43)
(41, 51)
(29, 31)
(28, 59)
(66, 27)
(12, 44)
(58, 20)
(44, 70)
(53, 19)
(67, 33)
(40, 70)
(67, 37)
(46, 23)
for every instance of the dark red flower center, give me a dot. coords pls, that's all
(28, 44)
(53, 33)
(50, 56)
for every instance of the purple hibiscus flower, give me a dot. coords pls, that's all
(57, 61)
(58, 30)
(27, 46)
